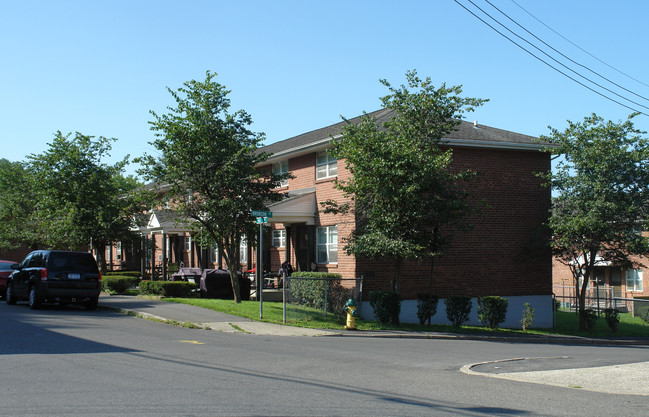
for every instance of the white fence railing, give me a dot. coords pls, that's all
(602, 297)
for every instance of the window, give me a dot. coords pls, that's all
(188, 243)
(281, 168)
(279, 238)
(118, 249)
(244, 251)
(326, 165)
(327, 245)
(214, 254)
(634, 280)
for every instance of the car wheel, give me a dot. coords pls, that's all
(91, 304)
(34, 302)
(9, 295)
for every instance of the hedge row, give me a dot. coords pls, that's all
(179, 289)
(118, 284)
(135, 274)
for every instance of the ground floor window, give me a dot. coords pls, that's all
(634, 280)
(214, 254)
(243, 257)
(279, 238)
(327, 245)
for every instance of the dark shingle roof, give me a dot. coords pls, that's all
(466, 134)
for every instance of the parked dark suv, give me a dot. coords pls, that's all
(55, 277)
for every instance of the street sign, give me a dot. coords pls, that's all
(259, 213)
(261, 220)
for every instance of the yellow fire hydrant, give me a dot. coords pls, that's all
(350, 309)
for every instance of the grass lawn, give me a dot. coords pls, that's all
(567, 322)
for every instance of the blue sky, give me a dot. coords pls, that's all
(98, 67)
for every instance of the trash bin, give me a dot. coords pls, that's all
(215, 283)
(188, 275)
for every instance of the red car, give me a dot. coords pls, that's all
(5, 271)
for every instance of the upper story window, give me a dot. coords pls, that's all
(188, 243)
(281, 168)
(279, 238)
(327, 245)
(326, 165)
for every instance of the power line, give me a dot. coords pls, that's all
(566, 57)
(579, 47)
(555, 60)
(548, 64)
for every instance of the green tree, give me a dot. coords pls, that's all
(404, 194)
(601, 188)
(208, 157)
(80, 200)
(17, 206)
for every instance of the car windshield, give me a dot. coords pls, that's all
(83, 262)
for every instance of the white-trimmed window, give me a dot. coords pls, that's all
(214, 254)
(279, 238)
(634, 280)
(281, 168)
(188, 243)
(327, 245)
(243, 256)
(118, 249)
(326, 165)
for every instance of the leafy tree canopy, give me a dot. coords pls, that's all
(602, 196)
(78, 199)
(208, 156)
(402, 188)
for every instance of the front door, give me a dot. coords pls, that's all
(616, 282)
(304, 248)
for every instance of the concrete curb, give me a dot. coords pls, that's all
(269, 329)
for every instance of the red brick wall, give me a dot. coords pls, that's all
(500, 254)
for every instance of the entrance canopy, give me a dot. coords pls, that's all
(299, 207)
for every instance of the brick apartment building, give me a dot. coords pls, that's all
(502, 254)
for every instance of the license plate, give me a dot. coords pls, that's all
(74, 276)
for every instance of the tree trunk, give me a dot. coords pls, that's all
(101, 259)
(232, 262)
(396, 277)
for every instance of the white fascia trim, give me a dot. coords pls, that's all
(494, 145)
(451, 142)
(301, 150)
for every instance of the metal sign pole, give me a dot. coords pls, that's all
(284, 284)
(260, 271)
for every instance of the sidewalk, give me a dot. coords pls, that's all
(215, 320)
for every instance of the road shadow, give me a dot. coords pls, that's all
(24, 331)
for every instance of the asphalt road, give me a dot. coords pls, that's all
(67, 361)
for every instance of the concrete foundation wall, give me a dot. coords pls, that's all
(541, 303)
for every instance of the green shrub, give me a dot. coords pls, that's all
(590, 317)
(179, 289)
(458, 308)
(426, 307)
(135, 274)
(528, 316)
(311, 292)
(612, 318)
(386, 305)
(116, 284)
(492, 310)
(338, 297)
